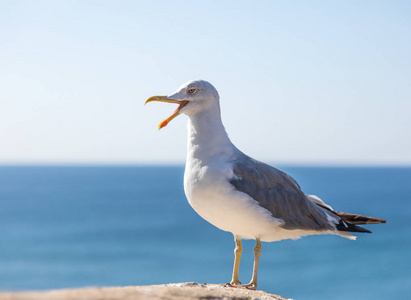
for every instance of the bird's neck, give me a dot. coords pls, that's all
(207, 138)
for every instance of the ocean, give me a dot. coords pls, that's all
(70, 227)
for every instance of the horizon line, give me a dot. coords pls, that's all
(182, 164)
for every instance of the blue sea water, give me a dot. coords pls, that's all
(64, 227)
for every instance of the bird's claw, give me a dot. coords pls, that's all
(249, 286)
(234, 282)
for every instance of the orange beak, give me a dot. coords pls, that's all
(181, 103)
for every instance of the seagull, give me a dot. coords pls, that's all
(241, 195)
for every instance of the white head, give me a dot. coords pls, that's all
(193, 97)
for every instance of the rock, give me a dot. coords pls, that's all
(172, 291)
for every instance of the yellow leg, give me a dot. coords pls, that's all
(253, 283)
(237, 256)
(257, 251)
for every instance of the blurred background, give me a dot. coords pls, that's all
(300, 82)
(91, 192)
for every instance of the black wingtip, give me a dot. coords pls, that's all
(345, 226)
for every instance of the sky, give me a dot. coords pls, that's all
(301, 82)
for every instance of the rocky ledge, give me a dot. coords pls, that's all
(172, 291)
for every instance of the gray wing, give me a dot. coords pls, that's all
(280, 194)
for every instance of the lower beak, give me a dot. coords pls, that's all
(181, 103)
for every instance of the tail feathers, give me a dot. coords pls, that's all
(358, 219)
(348, 222)
(347, 235)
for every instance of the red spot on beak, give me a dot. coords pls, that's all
(163, 124)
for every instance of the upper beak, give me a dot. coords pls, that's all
(168, 100)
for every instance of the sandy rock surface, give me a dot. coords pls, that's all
(172, 291)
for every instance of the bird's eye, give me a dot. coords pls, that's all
(191, 91)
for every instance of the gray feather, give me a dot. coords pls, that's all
(280, 194)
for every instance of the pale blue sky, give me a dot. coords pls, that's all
(301, 82)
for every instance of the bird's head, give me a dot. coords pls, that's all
(192, 97)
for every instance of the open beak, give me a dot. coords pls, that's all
(181, 103)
